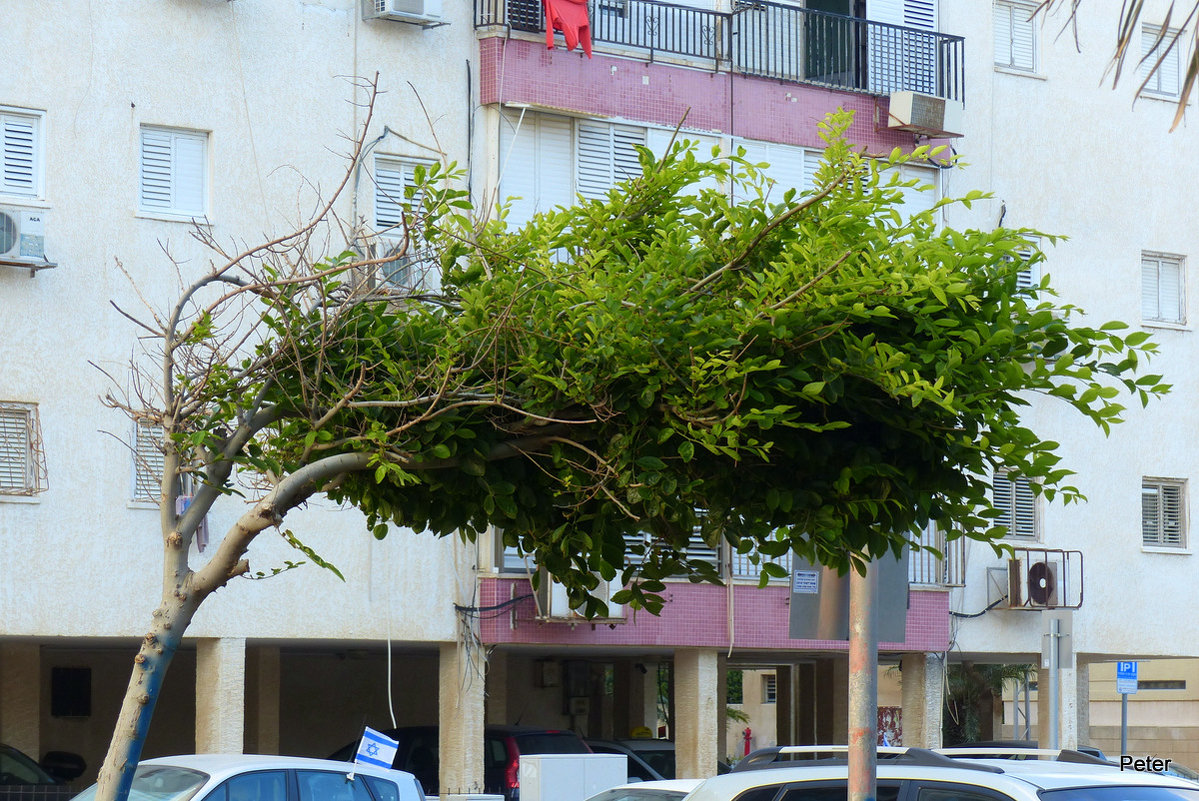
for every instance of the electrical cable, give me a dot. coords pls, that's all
(978, 614)
(493, 607)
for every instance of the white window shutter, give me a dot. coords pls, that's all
(1171, 514)
(20, 167)
(1165, 80)
(658, 139)
(389, 198)
(1163, 293)
(1163, 513)
(15, 450)
(537, 164)
(920, 14)
(148, 462)
(189, 174)
(1014, 35)
(1014, 499)
(789, 166)
(174, 170)
(156, 171)
(605, 154)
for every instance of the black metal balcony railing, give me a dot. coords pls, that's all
(768, 39)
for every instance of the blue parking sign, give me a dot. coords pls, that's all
(1126, 677)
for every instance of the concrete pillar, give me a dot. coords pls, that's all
(722, 703)
(1082, 691)
(220, 695)
(21, 696)
(697, 711)
(1068, 715)
(461, 712)
(784, 705)
(636, 697)
(805, 704)
(497, 687)
(923, 679)
(263, 676)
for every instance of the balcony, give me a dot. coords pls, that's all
(765, 39)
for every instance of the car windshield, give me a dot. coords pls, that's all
(637, 794)
(158, 783)
(1120, 794)
(16, 768)
(659, 759)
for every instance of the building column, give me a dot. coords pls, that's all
(923, 677)
(722, 706)
(496, 687)
(21, 696)
(697, 711)
(785, 705)
(461, 712)
(1068, 713)
(220, 695)
(1082, 692)
(262, 713)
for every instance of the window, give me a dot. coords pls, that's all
(1016, 501)
(323, 785)
(147, 462)
(1015, 35)
(22, 466)
(1160, 64)
(267, 785)
(1162, 288)
(769, 688)
(397, 208)
(174, 172)
(1163, 513)
(605, 155)
(21, 175)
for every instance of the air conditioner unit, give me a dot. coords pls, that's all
(926, 115)
(415, 12)
(23, 237)
(554, 605)
(1034, 585)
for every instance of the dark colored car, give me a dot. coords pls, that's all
(649, 760)
(22, 777)
(503, 746)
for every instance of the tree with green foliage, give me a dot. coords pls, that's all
(815, 373)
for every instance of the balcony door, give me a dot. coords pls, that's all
(902, 50)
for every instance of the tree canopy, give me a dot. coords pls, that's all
(812, 371)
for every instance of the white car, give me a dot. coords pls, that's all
(252, 777)
(658, 790)
(916, 774)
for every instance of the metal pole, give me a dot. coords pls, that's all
(863, 685)
(1054, 628)
(1123, 723)
(1027, 710)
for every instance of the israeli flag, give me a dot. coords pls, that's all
(376, 749)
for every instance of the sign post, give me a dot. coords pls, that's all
(1126, 683)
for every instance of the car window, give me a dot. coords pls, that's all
(323, 785)
(660, 759)
(265, 785)
(1121, 794)
(16, 768)
(159, 783)
(958, 793)
(496, 753)
(382, 789)
(814, 791)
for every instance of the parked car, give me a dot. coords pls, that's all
(253, 777)
(21, 775)
(919, 774)
(665, 790)
(503, 746)
(1020, 744)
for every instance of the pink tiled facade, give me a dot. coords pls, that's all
(521, 71)
(697, 615)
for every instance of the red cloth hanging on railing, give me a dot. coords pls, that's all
(570, 17)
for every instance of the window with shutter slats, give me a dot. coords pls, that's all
(22, 471)
(1163, 293)
(789, 167)
(173, 172)
(20, 149)
(397, 208)
(1015, 500)
(1163, 79)
(1015, 35)
(537, 163)
(147, 462)
(605, 154)
(1163, 513)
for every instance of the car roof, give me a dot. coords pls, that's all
(221, 765)
(1023, 775)
(676, 785)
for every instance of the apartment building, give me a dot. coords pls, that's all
(240, 120)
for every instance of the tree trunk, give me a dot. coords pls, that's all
(149, 669)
